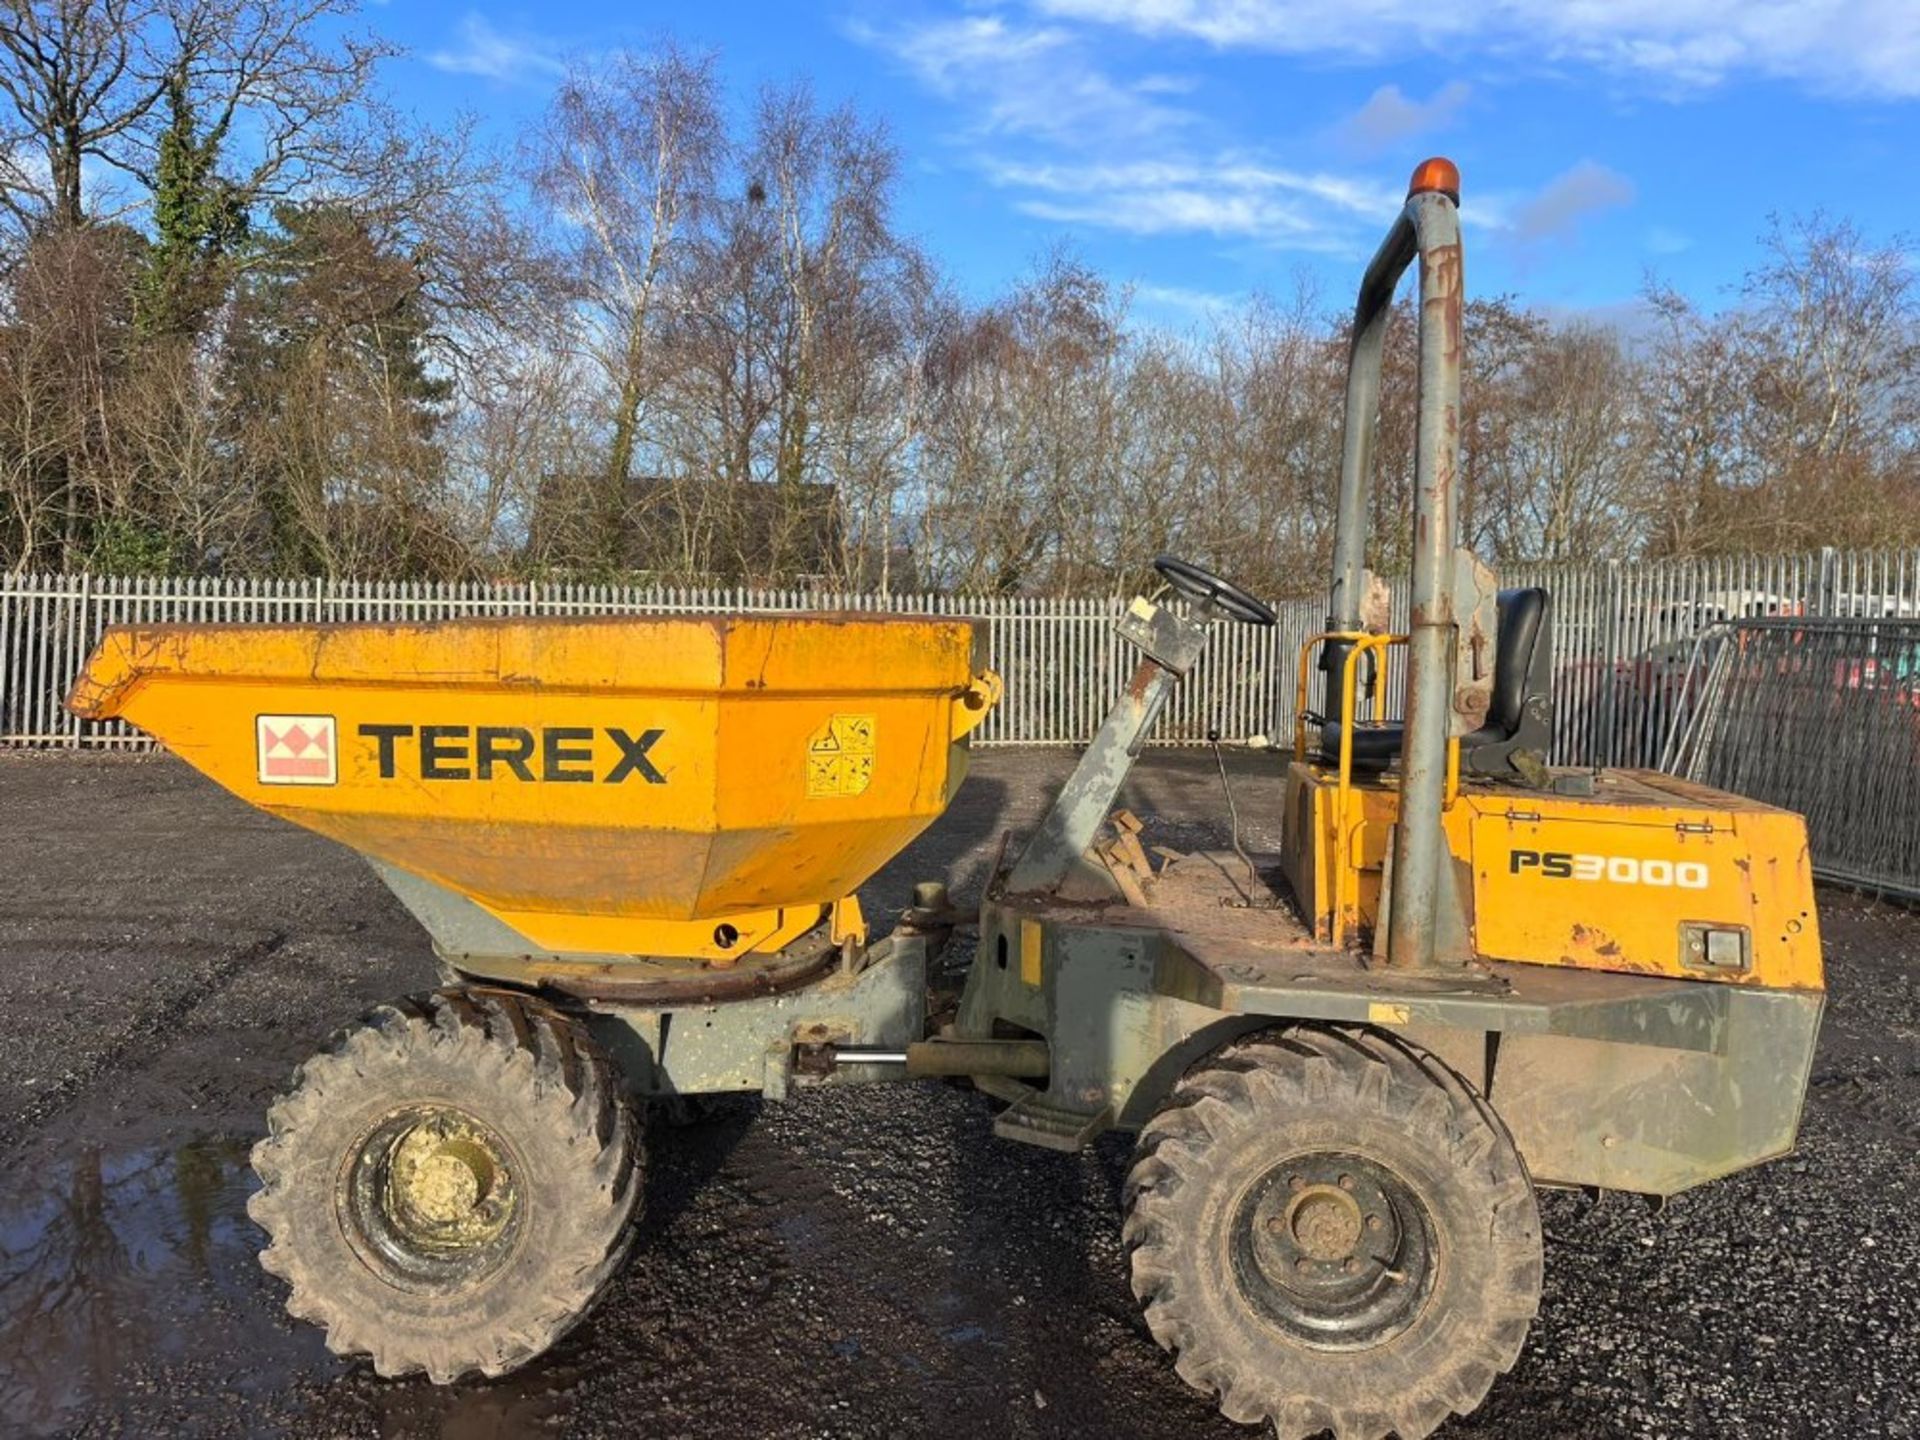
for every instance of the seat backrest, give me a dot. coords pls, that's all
(1522, 620)
(1519, 714)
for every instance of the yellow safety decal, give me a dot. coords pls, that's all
(840, 757)
(1382, 1014)
(1030, 952)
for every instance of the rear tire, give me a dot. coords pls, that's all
(1332, 1232)
(450, 1185)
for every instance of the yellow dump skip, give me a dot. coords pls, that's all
(596, 784)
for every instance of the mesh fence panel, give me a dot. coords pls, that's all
(1820, 716)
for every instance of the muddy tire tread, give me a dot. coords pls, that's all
(521, 1042)
(1302, 1068)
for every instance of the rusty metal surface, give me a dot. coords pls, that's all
(930, 1059)
(1419, 844)
(643, 981)
(470, 940)
(1602, 1110)
(1170, 644)
(1427, 230)
(1689, 1079)
(748, 1043)
(1537, 870)
(1209, 949)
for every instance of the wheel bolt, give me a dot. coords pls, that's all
(1302, 1263)
(1346, 1182)
(1351, 1266)
(1294, 1182)
(1276, 1224)
(1373, 1222)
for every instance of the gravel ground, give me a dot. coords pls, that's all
(855, 1263)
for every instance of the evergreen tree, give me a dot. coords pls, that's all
(329, 349)
(198, 220)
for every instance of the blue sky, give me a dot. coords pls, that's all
(1200, 149)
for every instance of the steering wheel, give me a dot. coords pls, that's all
(1207, 588)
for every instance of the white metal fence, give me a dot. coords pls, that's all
(1622, 632)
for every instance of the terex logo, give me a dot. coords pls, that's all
(557, 754)
(1620, 869)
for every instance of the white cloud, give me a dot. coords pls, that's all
(1569, 198)
(1223, 174)
(1166, 85)
(1188, 300)
(945, 52)
(1867, 47)
(1082, 143)
(1027, 81)
(496, 54)
(1389, 116)
(1078, 144)
(1175, 211)
(1222, 196)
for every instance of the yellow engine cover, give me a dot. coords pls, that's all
(1649, 875)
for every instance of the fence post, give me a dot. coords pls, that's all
(1609, 674)
(1828, 589)
(85, 648)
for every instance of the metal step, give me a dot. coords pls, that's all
(1033, 1121)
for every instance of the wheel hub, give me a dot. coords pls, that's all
(1325, 1224)
(430, 1199)
(445, 1183)
(1333, 1249)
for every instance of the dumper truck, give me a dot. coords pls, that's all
(638, 843)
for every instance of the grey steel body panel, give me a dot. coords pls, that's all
(1170, 644)
(1622, 1081)
(751, 1044)
(688, 1027)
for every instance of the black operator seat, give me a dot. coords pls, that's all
(1519, 719)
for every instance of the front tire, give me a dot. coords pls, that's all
(450, 1185)
(1332, 1232)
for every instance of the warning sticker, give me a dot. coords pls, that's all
(840, 757)
(296, 749)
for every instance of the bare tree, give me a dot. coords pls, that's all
(177, 427)
(276, 96)
(81, 79)
(323, 340)
(70, 323)
(1792, 419)
(625, 162)
(842, 326)
(1269, 445)
(38, 429)
(530, 456)
(1686, 418)
(1575, 473)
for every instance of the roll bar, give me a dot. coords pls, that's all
(1427, 228)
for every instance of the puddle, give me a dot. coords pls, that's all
(113, 1265)
(130, 1296)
